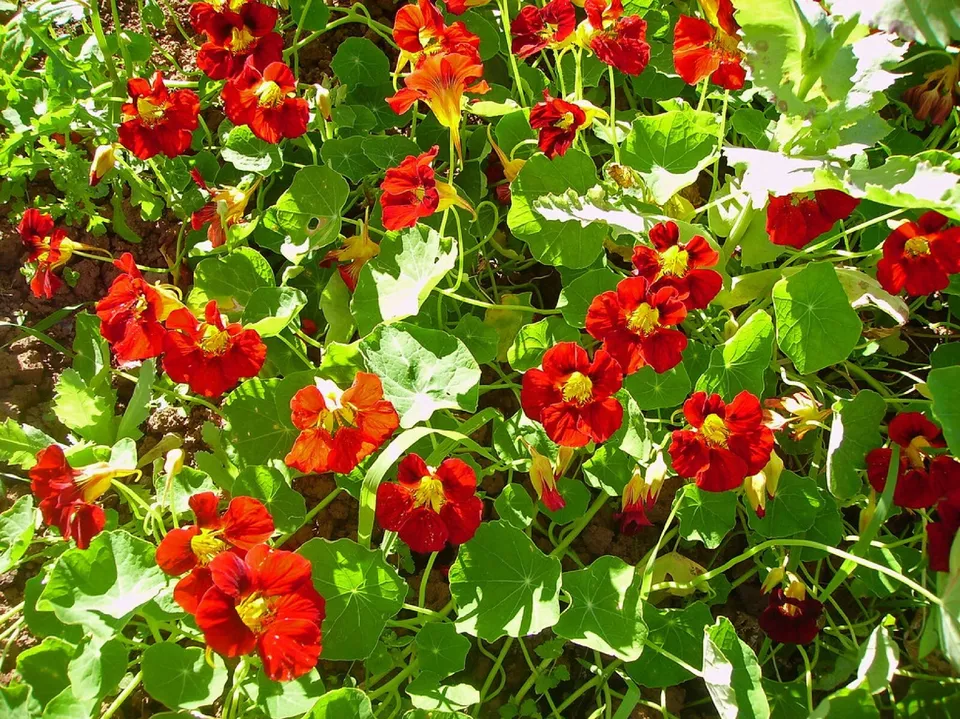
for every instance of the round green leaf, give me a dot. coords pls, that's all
(575, 298)
(792, 510)
(346, 156)
(180, 677)
(441, 651)
(102, 586)
(389, 150)
(422, 370)
(577, 497)
(359, 62)
(342, 703)
(308, 213)
(362, 592)
(504, 585)
(604, 609)
(533, 340)
(742, 360)
(515, 506)
(676, 631)
(706, 516)
(279, 700)
(816, 326)
(652, 390)
(16, 532)
(271, 309)
(248, 153)
(309, 15)
(231, 280)
(395, 283)
(945, 389)
(555, 242)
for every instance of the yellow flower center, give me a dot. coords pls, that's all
(674, 262)
(917, 246)
(214, 342)
(567, 121)
(205, 546)
(337, 414)
(269, 94)
(714, 429)
(578, 388)
(644, 320)
(254, 611)
(795, 590)
(429, 493)
(150, 114)
(240, 39)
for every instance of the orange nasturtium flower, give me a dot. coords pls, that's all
(441, 81)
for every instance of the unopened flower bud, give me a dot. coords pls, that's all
(774, 578)
(866, 514)
(173, 462)
(324, 102)
(104, 158)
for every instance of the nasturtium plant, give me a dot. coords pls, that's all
(437, 359)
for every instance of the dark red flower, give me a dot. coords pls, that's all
(497, 181)
(617, 40)
(920, 256)
(635, 324)
(211, 356)
(681, 265)
(203, 13)
(419, 30)
(940, 534)
(266, 102)
(411, 192)
(796, 220)
(190, 549)
(536, 29)
(339, 428)
(266, 602)
(157, 120)
(232, 37)
(727, 444)
(48, 247)
(835, 205)
(67, 495)
(573, 397)
(709, 49)
(429, 507)
(791, 619)
(231, 201)
(559, 122)
(916, 488)
(132, 311)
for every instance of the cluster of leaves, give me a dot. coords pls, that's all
(453, 312)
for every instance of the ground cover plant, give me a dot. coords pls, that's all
(480, 358)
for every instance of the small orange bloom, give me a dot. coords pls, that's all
(441, 81)
(709, 49)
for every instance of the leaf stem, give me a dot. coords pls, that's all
(123, 696)
(425, 579)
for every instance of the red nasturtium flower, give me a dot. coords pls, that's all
(203, 13)
(232, 37)
(48, 247)
(920, 256)
(536, 29)
(728, 442)
(226, 208)
(796, 220)
(264, 602)
(922, 479)
(355, 252)
(573, 397)
(245, 523)
(67, 495)
(709, 48)
(559, 122)
(941, 533)
(411, 192)
(682, 265)
(636, 325)
(132, 312)
(266, 102)
(441, 81)
(419, 30)
(618, 41)
(338, 428)
(210, 356)
(791, 617)
(429, 507)
(158, 120)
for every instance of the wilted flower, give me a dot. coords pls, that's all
(939, 92)
(763, 485)
(798, 412)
